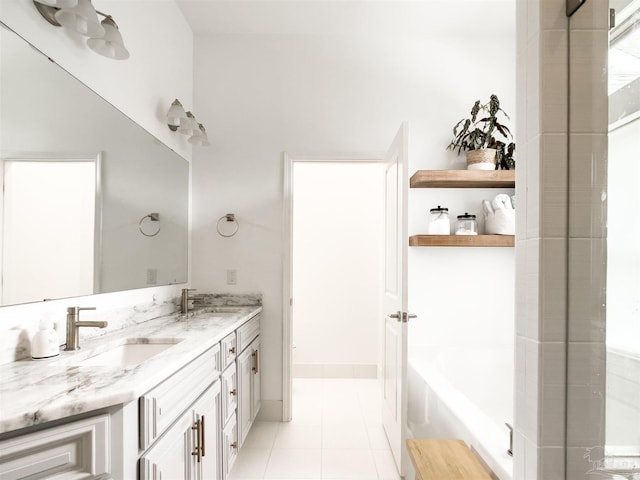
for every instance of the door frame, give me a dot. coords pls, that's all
(47, 156)
(287, 264)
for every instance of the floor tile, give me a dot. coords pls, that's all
(290, 464)
(292, 436)
(337, 436)
(348, 464)
(377, 438)
(261, 435)
(336, 433)
(385, 465)
(250, 463)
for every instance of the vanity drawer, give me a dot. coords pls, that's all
(217, 358)
(166, 402)
(247, 332)
(229, 393)
(228, 347)
(80, 448)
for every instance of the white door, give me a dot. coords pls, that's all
(394, 299)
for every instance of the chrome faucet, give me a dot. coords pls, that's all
(184, 299)
(73, 323)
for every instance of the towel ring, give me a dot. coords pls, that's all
(153, 217)
(229, 217)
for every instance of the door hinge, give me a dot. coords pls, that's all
(612, 18)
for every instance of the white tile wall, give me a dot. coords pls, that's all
(554, 159)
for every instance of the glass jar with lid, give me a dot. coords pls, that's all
(466, 225)
(438, 222)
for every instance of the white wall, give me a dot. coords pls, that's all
(310, 94)
(337, 234)
(142, 87)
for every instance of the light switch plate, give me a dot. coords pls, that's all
(232, 277)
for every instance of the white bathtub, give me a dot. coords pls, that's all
(467, 395)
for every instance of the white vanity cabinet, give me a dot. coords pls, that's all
(248, 376)
(190, 448)
(78, 449)
(184, 428)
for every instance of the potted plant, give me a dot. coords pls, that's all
(487, 141)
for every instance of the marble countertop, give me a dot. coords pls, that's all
(35, 392)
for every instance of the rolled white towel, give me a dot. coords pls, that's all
(486, 206)
(498, 218)
(501, 201)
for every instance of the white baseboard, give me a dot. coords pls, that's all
(334, 371)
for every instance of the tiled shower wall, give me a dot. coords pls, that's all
(561, 176)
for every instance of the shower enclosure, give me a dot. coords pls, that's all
(622, 404)
(603, 329)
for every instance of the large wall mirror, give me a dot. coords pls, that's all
(92, 203)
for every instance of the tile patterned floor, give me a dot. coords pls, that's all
(336, 433)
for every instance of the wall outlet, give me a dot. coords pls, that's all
(232, 277)
(152, 276)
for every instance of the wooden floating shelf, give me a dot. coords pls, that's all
(462, 241)
(463, 179)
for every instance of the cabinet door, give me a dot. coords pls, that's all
(207, 411)
(229, 446)
(163, 404)
(229, 392)
(170, 457)
(245, 378)
(80, 448)
(256, 383)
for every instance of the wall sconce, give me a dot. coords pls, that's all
(80, 16)
(186, 124)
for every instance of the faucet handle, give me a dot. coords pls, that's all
(77, 309)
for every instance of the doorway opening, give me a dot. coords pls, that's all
(336, 259)
(56, 199)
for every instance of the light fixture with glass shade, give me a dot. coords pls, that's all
(59, 3)
(188, 125)
(175, 114)
(185, 123)
(80, 16)
(110, 45)
(200, 138)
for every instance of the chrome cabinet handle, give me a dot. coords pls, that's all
(233, 392)
(203, 433)
(255, 361)
(232, 350)
(198, 450)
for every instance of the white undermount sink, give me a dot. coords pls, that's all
(131, 353)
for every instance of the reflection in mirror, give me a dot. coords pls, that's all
(623, 230)
(79, 176)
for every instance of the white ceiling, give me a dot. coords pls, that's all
(351, 17)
